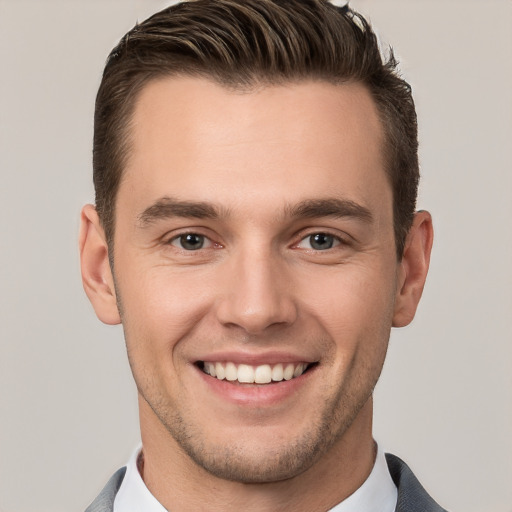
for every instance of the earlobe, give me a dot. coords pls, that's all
(413, 269)
(97, 276)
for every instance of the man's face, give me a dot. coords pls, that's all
(254, 240)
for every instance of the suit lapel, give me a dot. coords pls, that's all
(105, 500)
(412, 497)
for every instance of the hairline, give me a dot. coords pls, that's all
(256, 82)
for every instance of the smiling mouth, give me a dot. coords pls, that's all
(247, 374)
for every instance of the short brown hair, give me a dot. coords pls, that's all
(242, 43)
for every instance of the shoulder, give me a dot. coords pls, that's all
(105, 500)
(411, 494)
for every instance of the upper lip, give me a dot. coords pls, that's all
(255, 359)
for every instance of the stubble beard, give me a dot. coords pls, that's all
(230, 461)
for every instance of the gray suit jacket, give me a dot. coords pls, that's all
(412, 497)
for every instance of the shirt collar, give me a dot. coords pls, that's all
(377, 494)
(133, 493)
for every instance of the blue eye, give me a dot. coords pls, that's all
(319, 242)
(189, 241)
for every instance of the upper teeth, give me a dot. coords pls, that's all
(247, 374)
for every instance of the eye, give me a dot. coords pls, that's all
(190, 242)
(319, 242)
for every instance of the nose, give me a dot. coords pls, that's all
(257, 293)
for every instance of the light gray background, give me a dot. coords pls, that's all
(67, 403)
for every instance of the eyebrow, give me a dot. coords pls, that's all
(330, 207)
(167, 207)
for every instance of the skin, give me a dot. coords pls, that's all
(258, 289)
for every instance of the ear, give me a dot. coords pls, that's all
(413, 269)
(97, 276)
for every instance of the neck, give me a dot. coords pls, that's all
(180, 485)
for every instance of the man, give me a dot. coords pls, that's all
(255, 165)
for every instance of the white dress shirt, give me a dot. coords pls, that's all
(377, 494)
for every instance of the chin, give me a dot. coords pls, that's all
(262, 455)
(250, 465)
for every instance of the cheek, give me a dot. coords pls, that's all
(159, 308)
(356, 312)
(353, 303)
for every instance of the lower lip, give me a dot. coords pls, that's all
(255, 395)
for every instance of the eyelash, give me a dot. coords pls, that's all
(176, 238)
(337, 241)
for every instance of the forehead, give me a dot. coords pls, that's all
(194, 139)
